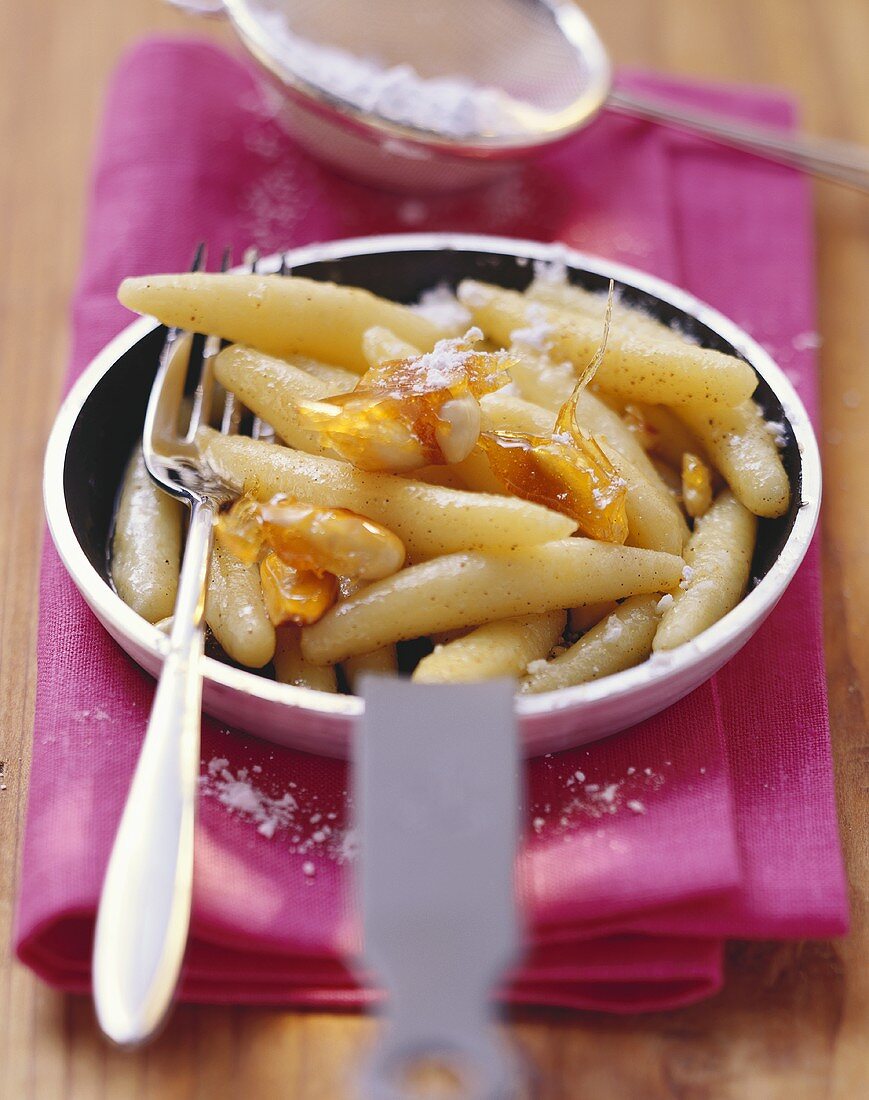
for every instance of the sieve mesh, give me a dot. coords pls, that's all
(543, 55)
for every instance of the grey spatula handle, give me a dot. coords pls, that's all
(437, 782)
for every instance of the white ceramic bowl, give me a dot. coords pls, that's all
(103, 413)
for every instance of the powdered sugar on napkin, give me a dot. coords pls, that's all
(634, 790)
(296, 814)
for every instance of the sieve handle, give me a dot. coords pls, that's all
(840, 161)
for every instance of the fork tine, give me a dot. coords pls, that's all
(259, 429)
(284, 268)
(200, 257)
(175, 362)
(203, 396)
(231, 418)
(232, 408)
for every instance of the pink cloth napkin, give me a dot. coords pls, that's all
(644, 852)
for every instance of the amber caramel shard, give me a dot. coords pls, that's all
(410, 413)
(322, 540)
(293, 595)
(568, 471)
(574, 478)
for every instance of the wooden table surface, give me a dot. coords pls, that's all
(793, 1020)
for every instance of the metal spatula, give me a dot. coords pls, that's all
(437, 783)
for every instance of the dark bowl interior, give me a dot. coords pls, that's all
(111, 419)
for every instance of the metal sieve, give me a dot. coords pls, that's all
(422, 96)
(425, 96)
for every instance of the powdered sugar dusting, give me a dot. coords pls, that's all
(806, 341)
(90, 714)
(412, 212)
(447, 361)
(273, 207)
(449, 105)
(613, 629)
(292, 815)
(632, 792)
(537, 334)
(778, 430)
(551, 272)
(440, 305)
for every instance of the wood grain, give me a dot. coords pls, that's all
(793, 1019)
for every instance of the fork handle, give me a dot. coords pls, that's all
(144, 911)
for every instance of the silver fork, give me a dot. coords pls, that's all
(144, 911)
